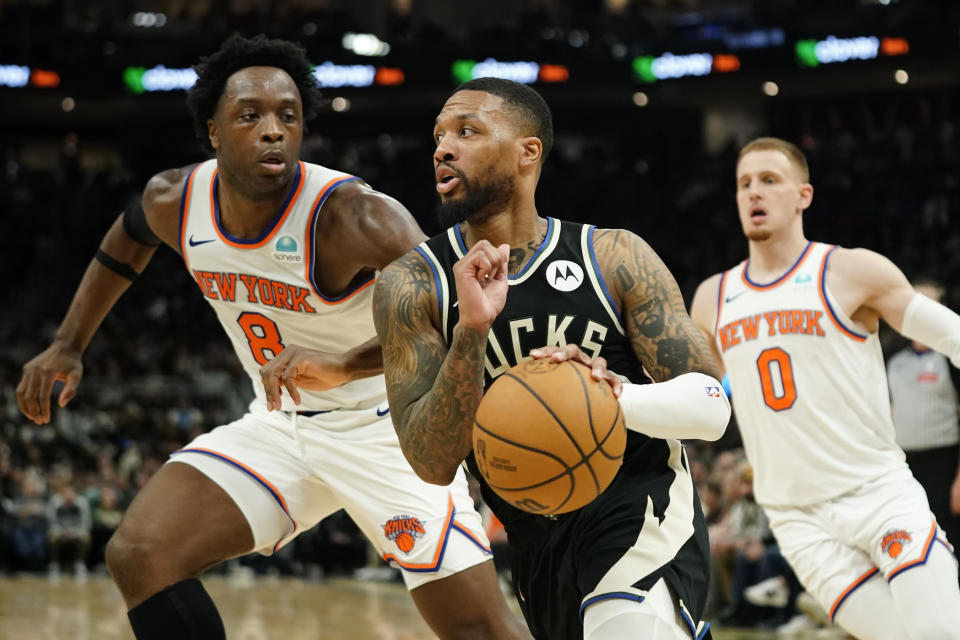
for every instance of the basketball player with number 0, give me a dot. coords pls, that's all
(795, 326)
(502, 281)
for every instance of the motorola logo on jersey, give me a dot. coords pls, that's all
(285, 250)
(564, 275)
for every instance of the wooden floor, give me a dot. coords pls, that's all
(36, 608)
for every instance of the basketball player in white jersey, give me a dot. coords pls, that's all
(795, 327)
(285, 251)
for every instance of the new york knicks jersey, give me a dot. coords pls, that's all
(263, 289)
(558, 298)
(808, 386)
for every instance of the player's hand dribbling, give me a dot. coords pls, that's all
(481, 280)
(598, 365)
(56, 362)
(300, 367)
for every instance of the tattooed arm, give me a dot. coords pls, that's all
(663, 337)
(434, 391)
(688, 401)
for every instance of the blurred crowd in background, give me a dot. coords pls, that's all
(886, 173)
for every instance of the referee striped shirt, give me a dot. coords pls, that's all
(924, 400)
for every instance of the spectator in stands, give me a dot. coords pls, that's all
(69, 532)
(28, 534)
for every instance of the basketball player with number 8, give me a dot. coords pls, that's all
(502, 281)
(795, 326)
(284, 251)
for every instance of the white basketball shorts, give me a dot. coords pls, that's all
(286, 472)
(882, 526)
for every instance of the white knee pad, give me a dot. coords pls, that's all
(656, 618)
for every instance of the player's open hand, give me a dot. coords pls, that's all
(481, 279)
(57, 362)
(301, 368)
(598, 365)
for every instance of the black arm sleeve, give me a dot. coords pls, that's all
(136, 226)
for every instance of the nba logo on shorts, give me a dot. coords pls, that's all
(894, 541)
(404, 532)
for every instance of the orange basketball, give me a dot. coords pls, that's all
(548, 438)
(404, 541)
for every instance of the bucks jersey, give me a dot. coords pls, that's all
(263, 289)
(647, 525)
(808, 386)
(557, 298)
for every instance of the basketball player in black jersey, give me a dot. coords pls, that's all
(463, 307)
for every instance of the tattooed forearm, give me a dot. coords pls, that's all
(663, 337)
(433, 393)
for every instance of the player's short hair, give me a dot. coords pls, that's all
(792, 151)
(533, 113)
(238, 53)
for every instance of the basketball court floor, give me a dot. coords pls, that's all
(36, 608)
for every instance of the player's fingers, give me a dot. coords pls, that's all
(44, 391)
(70, 387)
(504, 251)
(291, 385)
(483, 266)
(543, 352)
(27, 396)
(270, 379)
(572, 352)
(598, 367)
(615, 383)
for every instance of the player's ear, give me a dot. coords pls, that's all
(806, 195)
(213, 135)
(531, 150)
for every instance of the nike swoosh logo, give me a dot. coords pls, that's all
(194, 243)
(733, 297)
(455, 303)
(384, 412)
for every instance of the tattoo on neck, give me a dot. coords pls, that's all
(519, 255)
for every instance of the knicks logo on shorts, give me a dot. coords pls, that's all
(404, 531)
(894, 541)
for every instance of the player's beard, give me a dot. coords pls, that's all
(759, 235)
(478, 202)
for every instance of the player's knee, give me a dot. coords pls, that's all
(133, 559)
(121, 555)
(943, 625)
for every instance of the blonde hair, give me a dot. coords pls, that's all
(792, 151)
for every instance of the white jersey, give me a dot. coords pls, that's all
(809, 387)
(263, 288)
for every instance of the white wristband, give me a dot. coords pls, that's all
(934, 325)
(692, 405)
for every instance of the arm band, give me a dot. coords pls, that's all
(135, 224)
(691, 405)
(119, 268)
(934, 325)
